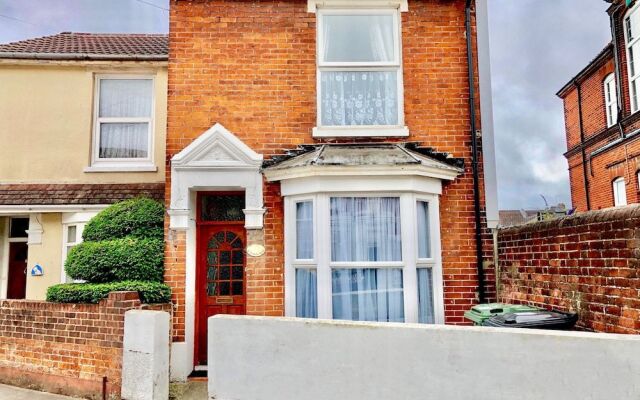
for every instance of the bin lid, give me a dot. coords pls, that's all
(534, 320)
(480, 312)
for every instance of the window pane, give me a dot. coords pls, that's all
(425, 296)
(370, 38)
(124, 140)
(304, 230)
(18, 228)
(125, 98)
(424, 237)
(365, 229)
(223, 208)
(306, 293)
(619, 193)
(368, 294)
(71, 234)
(359, 98)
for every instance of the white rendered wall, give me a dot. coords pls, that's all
(284, 358)
(145, 355)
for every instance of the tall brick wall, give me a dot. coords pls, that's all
(250, 65)
(588, 263)
(65, 348)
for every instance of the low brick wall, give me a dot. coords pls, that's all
(66, 348)
(588, 263)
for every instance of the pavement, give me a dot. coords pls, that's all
(15, 393)
(190, 390)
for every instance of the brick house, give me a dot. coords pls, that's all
(83, 126)
(333, 141)
(601, 119)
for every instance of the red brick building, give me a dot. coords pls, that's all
(602, 121)
(320, 162)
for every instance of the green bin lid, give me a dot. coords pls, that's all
(480, 312)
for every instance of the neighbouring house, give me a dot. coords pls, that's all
(602, 121)
(83, 126)
(336, 142)
(520, 217)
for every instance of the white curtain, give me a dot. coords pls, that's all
(365, 229)
(359, 98)
(425, 296)
(306, 293)
(424, 239)
(304, 230)
(368, 294)
(124, 98)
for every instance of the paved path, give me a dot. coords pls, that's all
(16, 393)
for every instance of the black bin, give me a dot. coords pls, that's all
(554, 320)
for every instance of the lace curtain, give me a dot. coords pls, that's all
(306, 293)
(121, 99)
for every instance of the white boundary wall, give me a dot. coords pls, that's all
(265, 358)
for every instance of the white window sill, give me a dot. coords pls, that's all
(357, 131)
(121, 168)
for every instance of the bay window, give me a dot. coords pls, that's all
(123, 128)
(363, 257)
(360, 88)
(632, 41)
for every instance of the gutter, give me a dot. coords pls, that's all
(83, 56)
(474, 149)
(615, 143)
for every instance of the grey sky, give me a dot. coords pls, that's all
(537, 46)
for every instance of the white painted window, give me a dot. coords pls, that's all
(123, 122)
(71, 237)
(632, 40)
(619, 192)
(360, 90)
(363, 256)
(611, 100)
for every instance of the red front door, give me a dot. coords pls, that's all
(17, 284)
(220, 280)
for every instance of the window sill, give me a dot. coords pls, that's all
(392, 131)
(121, 168)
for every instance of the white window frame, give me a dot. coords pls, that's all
(66, 245)
(394, 65)
(634, 74)
(322, 252)
(146, 164)
(611, 100)
(619, 192)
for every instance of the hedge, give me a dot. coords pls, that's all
(126, 259)
(149, 292)
(140, 217)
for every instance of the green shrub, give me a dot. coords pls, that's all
(150, 292)
(126, 259)
(141, 217)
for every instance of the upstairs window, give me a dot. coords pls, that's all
(611, 100)
(619, 192)
(632, 40)
(359, 70)
(123, 121)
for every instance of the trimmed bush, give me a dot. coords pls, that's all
(141, 218)
(150, 292)
(126, 259)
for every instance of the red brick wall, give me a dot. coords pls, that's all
(587, 263)
(250, 65)
(65, 348)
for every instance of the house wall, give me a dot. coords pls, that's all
(47, 114)
(251, 66)
(380, 361)
(48, 254)
(65, 348)
(586, 263)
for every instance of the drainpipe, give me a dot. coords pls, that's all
(474, 150)
(582, 149)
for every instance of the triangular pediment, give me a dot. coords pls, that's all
(217, 147)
